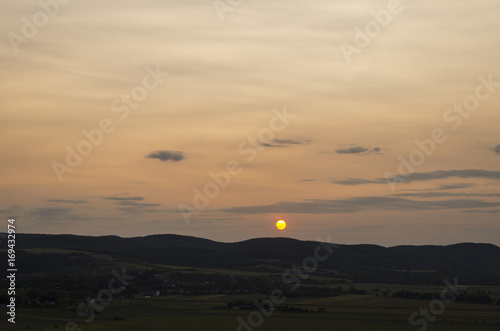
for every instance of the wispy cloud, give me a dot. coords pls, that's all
(75, 202)
(442, 174)
(357, 150)
(139, 209)
(352, 150)
(446, 194)
(494, 211)
(133, 204)
(291, 141)
(285, 142)
(358, 204)
(124, 198)
(163, 156)
(356, 181)
(58, 215)
(137, 204)
(425, 176)
(272, 145)
(497, 149)
(454, 186)
(54, 212)
(441, 187)
(11, 209)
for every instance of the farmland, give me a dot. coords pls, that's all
(209, 313)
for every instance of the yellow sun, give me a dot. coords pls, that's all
(281, 224)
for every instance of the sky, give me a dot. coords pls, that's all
(366, 121)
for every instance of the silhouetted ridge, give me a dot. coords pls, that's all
(421, 264)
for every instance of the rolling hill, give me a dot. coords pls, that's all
(472, 263)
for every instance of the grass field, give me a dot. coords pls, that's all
(198, 313)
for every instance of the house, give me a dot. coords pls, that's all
(148, 294)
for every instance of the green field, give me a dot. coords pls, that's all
(199, 313)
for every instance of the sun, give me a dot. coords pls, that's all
(281, 224)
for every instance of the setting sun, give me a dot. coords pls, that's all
(281, 224)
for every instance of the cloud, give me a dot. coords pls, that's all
(10, 210)
(285, 142)
(131, 201)
(441, 174)
(173, 156)
(352, 150)
(133, 204)
(497, 149)
(359, 204)
(494, 211)
(290, 141)
(357, 150)
(124, 198)
(51, 212)
(425, 176)
(139, 209)
(446, 194)
(272, 145)
(58, 215)
(137, 204)
(454, 186)
(355, 181)
(67, 201)
(442, 187)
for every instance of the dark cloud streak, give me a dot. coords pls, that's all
(497, 149)
(285, 142)
(173, 156)
(290, 141)
(124, 198)
(75, 202)
(357, 150)
(352, 150)
(359, 204)
(426, 176)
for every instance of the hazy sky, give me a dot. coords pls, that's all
(352, 103)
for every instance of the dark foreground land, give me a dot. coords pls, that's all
(343, 313)
(182, 283)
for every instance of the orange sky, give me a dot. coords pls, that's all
(203, 87)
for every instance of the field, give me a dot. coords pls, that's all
(209, 313)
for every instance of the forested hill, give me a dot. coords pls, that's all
(474, 263)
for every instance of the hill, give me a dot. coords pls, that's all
(472, 263)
